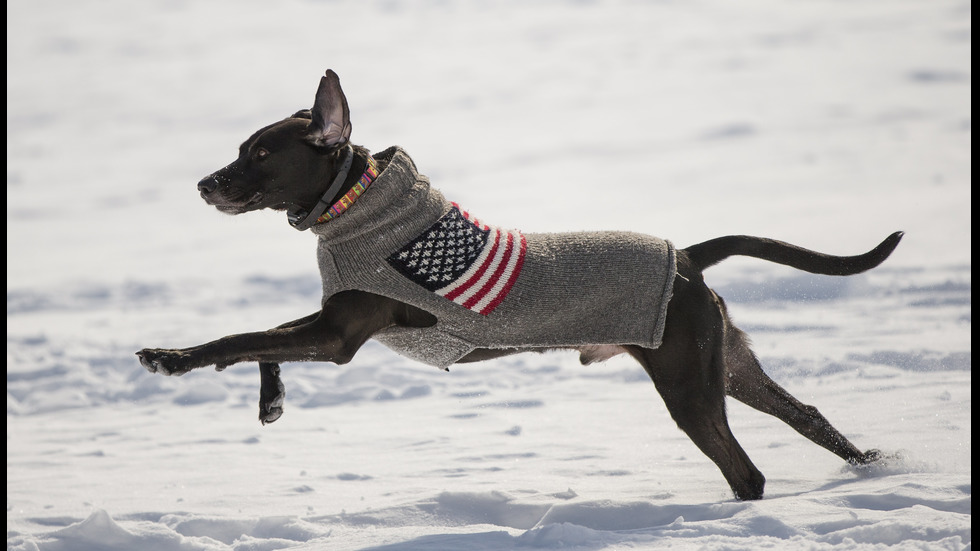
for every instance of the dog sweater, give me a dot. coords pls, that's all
(489, 287)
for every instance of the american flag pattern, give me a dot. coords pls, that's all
(464, 260)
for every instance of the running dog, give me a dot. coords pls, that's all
(403, 265)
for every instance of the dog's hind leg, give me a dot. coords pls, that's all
(688, 371)
(749, 384)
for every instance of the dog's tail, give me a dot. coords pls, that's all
(709, 253)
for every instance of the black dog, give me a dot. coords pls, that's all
(304, 164)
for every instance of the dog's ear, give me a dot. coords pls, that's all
(302, 114)
(330, 126)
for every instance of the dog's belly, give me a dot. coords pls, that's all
(599, 353)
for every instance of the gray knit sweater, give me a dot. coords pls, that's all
(490, 288)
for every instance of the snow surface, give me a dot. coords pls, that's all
(825, 123)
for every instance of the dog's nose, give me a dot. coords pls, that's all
(207, 185)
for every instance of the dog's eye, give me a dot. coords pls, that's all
(261, 153)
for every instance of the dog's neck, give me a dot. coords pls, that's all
(347, 199)
(330, 205)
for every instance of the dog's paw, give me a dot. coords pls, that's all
(270, 403)
(269, 414)
(871, 456)
(164, 362)
(868, 457)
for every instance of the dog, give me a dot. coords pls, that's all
(523, 293)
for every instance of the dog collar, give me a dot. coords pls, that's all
(344, 203)
(302, 220)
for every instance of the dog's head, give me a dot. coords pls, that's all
(288, 164)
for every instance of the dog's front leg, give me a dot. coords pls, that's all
(346, 321)
(180, 361)
(310, 342)
(272, 395)
(325, 339)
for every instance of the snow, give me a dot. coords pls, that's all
(824, 123)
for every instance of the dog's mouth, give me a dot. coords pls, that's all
(234, 207)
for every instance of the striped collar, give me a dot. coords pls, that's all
(345, 202)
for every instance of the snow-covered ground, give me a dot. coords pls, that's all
(824, 123)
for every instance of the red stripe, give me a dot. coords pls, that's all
(476, 277)
(510, 282)
(496, 275)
